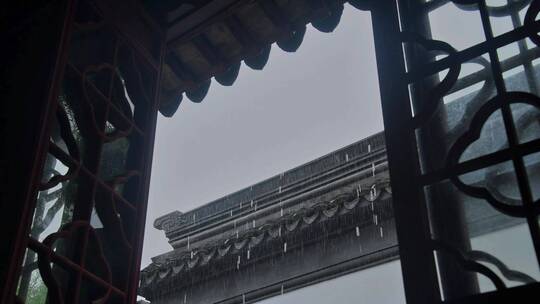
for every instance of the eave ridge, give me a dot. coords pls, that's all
(239, 31)
(189, 259)
(283, 186)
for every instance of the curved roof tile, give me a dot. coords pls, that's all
(186, 261)
(238, 31)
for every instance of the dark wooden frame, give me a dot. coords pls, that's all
(29, 142)
(413, 219)
(28, 129)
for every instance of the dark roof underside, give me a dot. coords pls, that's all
(211, 38)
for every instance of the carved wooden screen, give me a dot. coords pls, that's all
(84, 236)
(462, 127)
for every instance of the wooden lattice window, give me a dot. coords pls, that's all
(88, 206)
(460, 138)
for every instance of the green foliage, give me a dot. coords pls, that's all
(37, 291)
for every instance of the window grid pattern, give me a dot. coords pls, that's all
(86, 236)
(432, 70)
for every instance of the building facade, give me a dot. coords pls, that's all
(321, 220)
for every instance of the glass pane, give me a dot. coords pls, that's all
(54, 206)
(466, 140)
(460, 35)
(487, 203)
(31, 289)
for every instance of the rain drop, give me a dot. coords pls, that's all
(285, 247)
(381, 231)
(282, 289)
(248, 254)
(373, 193)
(357, 231)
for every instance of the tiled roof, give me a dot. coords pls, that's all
(210, 39)
(281, 187)
(184, 260)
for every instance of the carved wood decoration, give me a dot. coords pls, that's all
(85, 239)
(459, 137)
